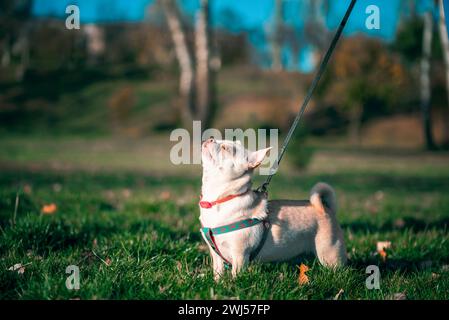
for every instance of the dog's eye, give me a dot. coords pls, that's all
(223, 147)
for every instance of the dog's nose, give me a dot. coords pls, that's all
(210, 140)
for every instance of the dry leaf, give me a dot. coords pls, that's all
(28, 189)
(303, 278)
(379, 195)
(126, 193)
(108, 262)
(383, 255)
(338, 295)
(398, 296)
(382, 247)
(165, 195)
(49, 208)
(20, 268)
(399, 223)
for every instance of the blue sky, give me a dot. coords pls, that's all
(252, 16)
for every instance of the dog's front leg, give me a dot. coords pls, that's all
(218, 265)
(239, 261)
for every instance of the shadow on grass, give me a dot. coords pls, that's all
(403, 223)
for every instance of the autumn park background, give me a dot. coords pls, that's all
(86, 116)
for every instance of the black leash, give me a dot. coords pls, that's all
(323, 65)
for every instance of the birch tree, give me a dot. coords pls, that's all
(277, 37)
(196, 80)
(425, 80)
(445, 47)
(202, 36)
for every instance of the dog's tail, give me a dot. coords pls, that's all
(323, 198)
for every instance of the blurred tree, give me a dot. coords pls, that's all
(276, 37)
(178, 34)
(316, 31)
(364, 74)
(425, 79)
(445, 48)
(95, 39)
(15, 16)
(197, 81)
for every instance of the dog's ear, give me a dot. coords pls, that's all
(255, 158)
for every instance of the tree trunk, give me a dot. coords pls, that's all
(95, 42)
(277, 38)
(425, 80)
(6, 55)
(186, 81)
(23, 49)
(203, 79)
(445, 47)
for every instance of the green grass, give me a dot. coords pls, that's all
(145, 222)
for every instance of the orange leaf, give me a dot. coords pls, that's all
(382, 247)
(303, 278)
(49, 208)
(383, 254)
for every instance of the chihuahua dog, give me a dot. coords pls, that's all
(289, 227)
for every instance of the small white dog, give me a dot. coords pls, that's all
(240, 225)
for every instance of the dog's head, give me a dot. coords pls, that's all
(227, 161)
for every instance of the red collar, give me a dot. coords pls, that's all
(208, 205)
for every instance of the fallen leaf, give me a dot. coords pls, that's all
(303, 278)
(281, 277)
(398, 296)
(383, 255)
(399, 223)
(165, 195)
(338, 295)
(126, 193)
(28, 189)
(20, 268)
(108, 262)
(382, 247)
(49, 208)
(379, 195)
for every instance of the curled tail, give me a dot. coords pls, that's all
(323, 198)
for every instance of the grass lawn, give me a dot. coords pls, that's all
(133, 232)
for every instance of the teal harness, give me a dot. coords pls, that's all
(209, 234)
